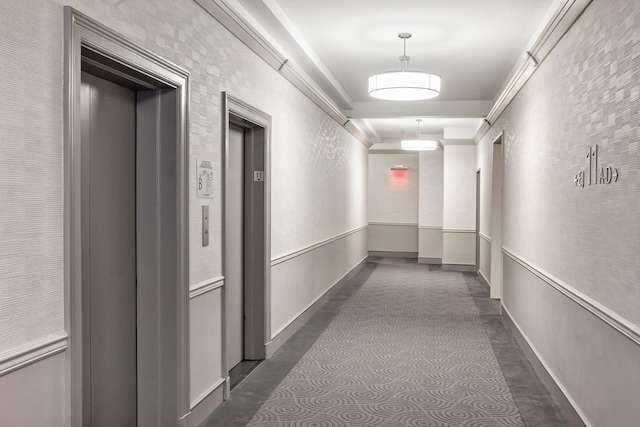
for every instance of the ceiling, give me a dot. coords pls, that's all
(472, 44)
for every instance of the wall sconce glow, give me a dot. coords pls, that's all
(404, 85)
(419, 145)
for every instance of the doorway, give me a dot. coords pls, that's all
(246, 239)
(126, 251)
(496, 220)
(109, 238)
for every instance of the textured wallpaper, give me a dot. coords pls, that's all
(431, 188)
(586, 93)
(318, 169)
(393, 199)
(459, 201)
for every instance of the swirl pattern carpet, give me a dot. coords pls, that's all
(408, 349)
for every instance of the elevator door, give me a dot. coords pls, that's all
(234, 280)
(109, 251)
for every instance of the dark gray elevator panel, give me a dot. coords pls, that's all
(109, 251)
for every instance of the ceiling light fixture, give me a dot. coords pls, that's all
(419, 144)
(404, 85)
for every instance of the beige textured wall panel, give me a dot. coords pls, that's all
(431, 189)
(391, 199)
(586, 92)
(31, 239)
(318, 169)
(459, 199)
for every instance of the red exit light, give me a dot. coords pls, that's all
(399, 178)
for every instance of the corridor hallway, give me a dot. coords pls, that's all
(401, 344)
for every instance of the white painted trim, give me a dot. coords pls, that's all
(559, 22)
(207, 392)
(457, 230)
(548, 369)
(206, 286)
(32, 352)
(301, 312)
(294, 254)
(484, 236)
(430, 227)
(614, 320)
(401, 224)
(261, 44)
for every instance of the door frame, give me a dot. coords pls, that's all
(497, 214)
(240, 112)
(478, 213)
(162, 201)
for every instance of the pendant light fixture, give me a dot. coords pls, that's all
(419, 144)
(404, 85)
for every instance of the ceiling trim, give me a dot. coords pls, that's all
(560, 21)
(223, 12)
(394, 109)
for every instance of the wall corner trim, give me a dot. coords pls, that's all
(32, 352)
(560, 21)
(259, 43)
(484, 236)
(614, 320)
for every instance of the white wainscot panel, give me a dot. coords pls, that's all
(485, 259)
(393, 237)
(205, 322)
(459, 247)
(301, 280)
(34, 395)
(430, 245)
(596, 366)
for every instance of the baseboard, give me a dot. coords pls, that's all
(432, 261)
(567, 408)
(459, 267)
(482, 279)
(207, 404)
(288, 331)
(392, 254)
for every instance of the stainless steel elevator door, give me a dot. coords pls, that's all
(234, 280)
(109, 250)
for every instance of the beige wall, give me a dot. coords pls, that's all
(582, 243)
(318, 182)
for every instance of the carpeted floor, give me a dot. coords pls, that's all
(408, 349)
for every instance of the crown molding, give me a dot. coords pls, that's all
(563, 16)
(248, 31)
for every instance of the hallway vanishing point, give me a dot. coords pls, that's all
(401, 344)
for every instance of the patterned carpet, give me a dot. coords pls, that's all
(409, 349)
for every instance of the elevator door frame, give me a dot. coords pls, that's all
(162, 215)
(257, 328)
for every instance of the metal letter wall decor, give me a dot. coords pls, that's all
(595, 175)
